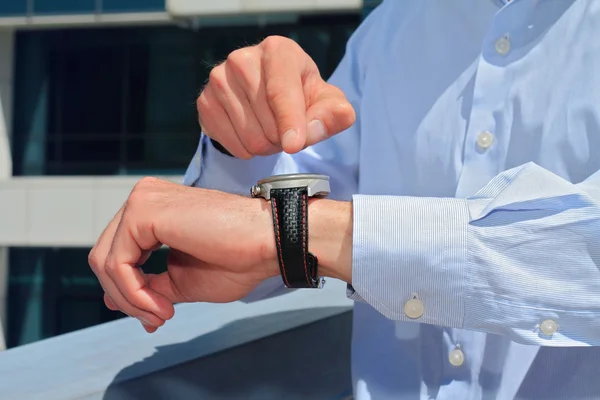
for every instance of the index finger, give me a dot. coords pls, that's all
(283, 72)
(132, 239)
(116, 301)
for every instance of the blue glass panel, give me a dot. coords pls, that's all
(11, 8)
(369, 5)
(64, 6)
(132, 5)
(52, 291)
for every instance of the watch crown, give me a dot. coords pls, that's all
(255, 191)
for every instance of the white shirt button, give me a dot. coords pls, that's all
(548, 327)
(456, 357)
(485, 140)
(503, 45)
(414, 308)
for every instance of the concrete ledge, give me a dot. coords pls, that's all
(85, 363)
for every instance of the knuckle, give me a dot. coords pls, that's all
(216, 77)
(271, 43)
(136, 197)
(110, 266)
(149, 180)
(94, 260)
(275, 42)
(241, 64)
(239, 58)
(204, 114)
(142, 186)
(201, 103)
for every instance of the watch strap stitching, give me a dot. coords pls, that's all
(278, 237)
(304, 240)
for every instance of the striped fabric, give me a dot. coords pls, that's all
(472, 169)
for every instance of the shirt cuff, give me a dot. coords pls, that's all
(410, 248)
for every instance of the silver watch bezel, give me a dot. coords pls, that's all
(317, 185)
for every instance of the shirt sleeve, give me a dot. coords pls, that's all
(336, 157)
(521, 258)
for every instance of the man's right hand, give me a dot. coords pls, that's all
(270, 97)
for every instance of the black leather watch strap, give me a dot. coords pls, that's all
(299, 268)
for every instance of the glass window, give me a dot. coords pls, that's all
(11, 8)
(52, 291)
(132, 5)
(63, 6)
(370, 5)
(108, 101)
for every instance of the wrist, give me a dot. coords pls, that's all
(330, 237)
(263, 223)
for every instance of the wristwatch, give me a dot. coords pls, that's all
(289, 194)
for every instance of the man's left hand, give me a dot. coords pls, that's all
(221, 248)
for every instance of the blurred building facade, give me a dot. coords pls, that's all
(95, 94)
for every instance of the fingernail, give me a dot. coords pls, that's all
(317, 131)
(143, 321)
(288, 138)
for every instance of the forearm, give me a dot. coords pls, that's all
(330, 237)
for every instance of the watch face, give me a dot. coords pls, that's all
(317, 185)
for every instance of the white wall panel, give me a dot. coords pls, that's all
(192, 8)
(60, 211)
(6, 80)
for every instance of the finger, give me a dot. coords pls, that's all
(109, 303)
(146, 255)
(215, 123)
(164, 284)
(248, 74)
(283, 73)
(97, 260)
(149, 329)
(97, 256)
(329, 113)
(131, 239)
(243, 117)
(116, 301)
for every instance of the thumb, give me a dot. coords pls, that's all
(164, 285)
(330, 113)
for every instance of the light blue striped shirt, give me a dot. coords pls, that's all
(473, 171)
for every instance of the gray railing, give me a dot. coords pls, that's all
(254, 350)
